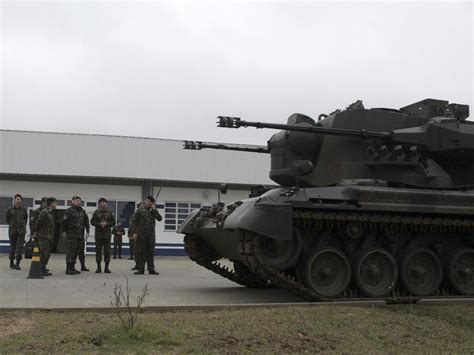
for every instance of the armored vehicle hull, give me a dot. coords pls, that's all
(357, 239)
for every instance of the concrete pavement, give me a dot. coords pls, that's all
(180, 283)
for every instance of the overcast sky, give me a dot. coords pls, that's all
(167, 69)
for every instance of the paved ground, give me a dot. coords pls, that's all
(181, 282)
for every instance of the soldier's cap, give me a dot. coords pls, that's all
(50, 200)
(75, 197)
(102, 199)
(151, 198)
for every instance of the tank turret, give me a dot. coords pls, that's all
(432, 149)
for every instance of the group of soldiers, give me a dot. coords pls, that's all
(76, 225)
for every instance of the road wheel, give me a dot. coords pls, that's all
(375, 272)
(421, 272)
(327, 272)
(459, 271)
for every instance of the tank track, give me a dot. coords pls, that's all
(192, 248)
(329, 219)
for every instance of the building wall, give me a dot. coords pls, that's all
(168, 242)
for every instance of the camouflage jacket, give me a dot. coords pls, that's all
(103, 215)
(131, 228)
(118, 231)
(33, 218)
(17, 218)
(44, 226)
(75, 222)
(144, 221)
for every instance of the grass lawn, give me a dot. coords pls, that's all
(399, 329)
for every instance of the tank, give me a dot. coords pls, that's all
(370, 203)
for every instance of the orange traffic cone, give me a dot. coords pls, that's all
(35, 268)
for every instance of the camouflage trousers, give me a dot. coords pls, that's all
(145, 248)
(16, 245)
(131, 244)
(75, 248)
(45, 247)
(118, 245)
(102, 247)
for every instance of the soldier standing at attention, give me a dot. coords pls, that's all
(102, 219)
(17, 218)
(44, 228)
(144, 235)
(76, 223)
(118, 232)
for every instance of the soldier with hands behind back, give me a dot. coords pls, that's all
(17, 218)
(118, 232)
(103, 220)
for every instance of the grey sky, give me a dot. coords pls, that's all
(166, 69)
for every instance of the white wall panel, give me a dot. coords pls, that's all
(126, 157)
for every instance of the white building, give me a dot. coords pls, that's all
(124, 170)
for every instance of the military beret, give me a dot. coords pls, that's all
(151, 198)
(43, 199)
(18, 195)
(75, 197)
(102, 199)
(51, 200)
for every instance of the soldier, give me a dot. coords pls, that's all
(102, 219)
(44, 231)
(34, 215)
(118, 232)
(76, 223)
(144, 235)
(133, 241)
(17, 218)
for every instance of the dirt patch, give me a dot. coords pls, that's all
(11, 325)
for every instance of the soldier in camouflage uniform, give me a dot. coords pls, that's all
(17, 218)
(76, 223)
(34, 215)
(44, 229)
(118, 232)
(144, 235)
(132, 239)
(103, 220)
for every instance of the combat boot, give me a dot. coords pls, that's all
(83, 267)
(99, 269)
(139, 272)
(69, 269)
(106, 269)
(135, 267)
(44, 272)
(17, 266)
(73, 267)
(153, 272)
(12, 264)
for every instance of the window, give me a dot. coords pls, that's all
(176, 213)
(7, 202)
(61, 202)
(123, 211)
(91, 204)
(69, 203)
